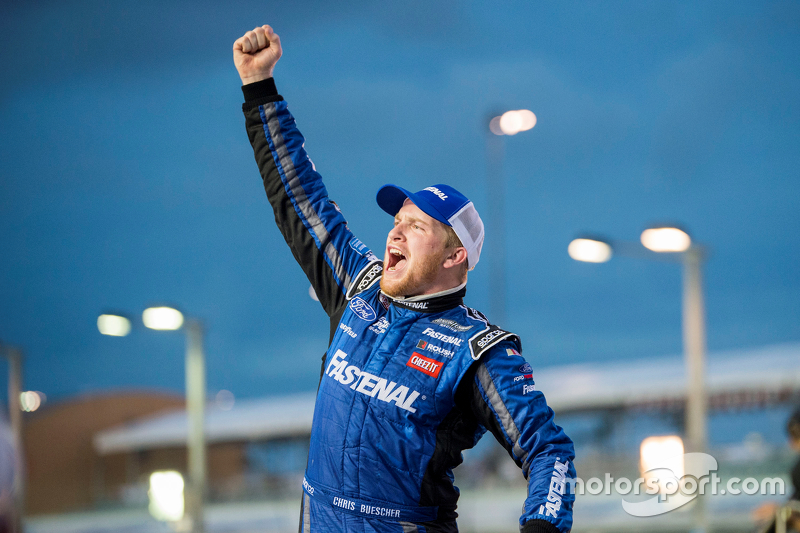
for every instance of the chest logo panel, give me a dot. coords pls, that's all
(362, 309)
(425, 365)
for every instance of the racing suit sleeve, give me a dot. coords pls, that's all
(503, 399)
(333, 259)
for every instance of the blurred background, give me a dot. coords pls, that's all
(127, 182)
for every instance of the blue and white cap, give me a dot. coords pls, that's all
(446, 205)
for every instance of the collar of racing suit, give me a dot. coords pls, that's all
(432, 303)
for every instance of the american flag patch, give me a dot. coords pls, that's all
(511, 351)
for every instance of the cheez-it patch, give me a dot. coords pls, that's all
(424, 364)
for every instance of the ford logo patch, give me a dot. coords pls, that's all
(363, 309)
(526, 368)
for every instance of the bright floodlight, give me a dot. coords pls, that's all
(30, 401)
(512, 122)
(589, 250)
(114, 325)
(661, 458)
(166, 495)
(666, 240)
(163, 318)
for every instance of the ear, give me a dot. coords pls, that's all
(457, 257)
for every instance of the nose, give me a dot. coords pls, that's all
(396, 233)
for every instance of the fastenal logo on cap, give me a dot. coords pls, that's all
(446, 205)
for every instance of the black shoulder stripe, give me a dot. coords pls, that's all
(365, 279)
(477, 315)
(483, 340)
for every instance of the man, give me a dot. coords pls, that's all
(411, 377)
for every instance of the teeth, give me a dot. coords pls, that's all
(395, 252)
(390, 269)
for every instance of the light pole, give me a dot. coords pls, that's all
(508, 123)
(169, 319)
(14, 356)
(673, 242)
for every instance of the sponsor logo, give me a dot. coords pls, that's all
(527, 373)
(362, 309)
(348, 330)
(424, 365)
(308, 487)
(415, 305)
(379, 326)
(451, 324)
(442, 196)
(422, 345)
(369, 277)
(371, 256)
(370, 384)
(430, 332)
(384, 301)
(489, 337)
(528, 388)
(557, 484)
(344, 504)
(359, 247)
(512, 351)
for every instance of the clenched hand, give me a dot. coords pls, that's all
(255, 54)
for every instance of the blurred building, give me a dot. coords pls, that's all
(63, 469)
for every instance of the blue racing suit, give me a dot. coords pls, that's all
(406, 384)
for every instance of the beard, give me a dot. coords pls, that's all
(416, 278)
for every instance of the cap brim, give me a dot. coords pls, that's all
(390, 198)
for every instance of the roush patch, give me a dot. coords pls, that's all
(424, 364)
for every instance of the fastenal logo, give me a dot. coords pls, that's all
(442, 196)
(370, 384)
(362, 309)
(430, 332)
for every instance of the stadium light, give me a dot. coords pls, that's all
(666, 239)
(508, 123)
(589, 250)
(162, 318)
(671, 239)
(512, 122)
(114, 325)
(166, 495)
(170, 319)
(674, 240)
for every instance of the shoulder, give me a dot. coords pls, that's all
(487, 335)
(367, 277)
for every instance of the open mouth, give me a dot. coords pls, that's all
(397, 261)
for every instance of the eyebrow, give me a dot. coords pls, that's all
(411, 219)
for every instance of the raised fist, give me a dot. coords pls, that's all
(255, 54)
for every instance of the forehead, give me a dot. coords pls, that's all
(411, 211)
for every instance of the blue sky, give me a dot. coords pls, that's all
(126, 178)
